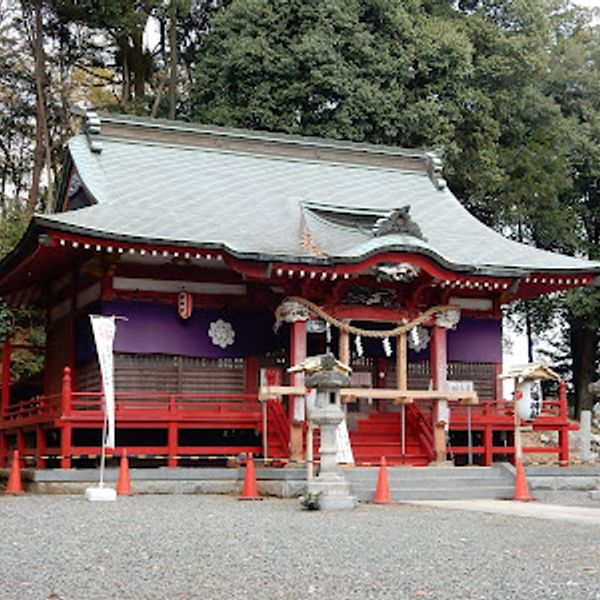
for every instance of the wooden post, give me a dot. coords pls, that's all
(40, 447)
(3, 450)
(172, 444)
(563, 446)
(488, 446)
(401, 362)
(344, 347)
(296, 403)
(5, 400)
(251, 375)
(562, 399)
(21, 446)
(563, 432)
(67, 392)
(344, 353)
(439, 372)
(380, 381)
(66, 437)
(518, 441)
(172, 434)
(66, 433)
(497, 381)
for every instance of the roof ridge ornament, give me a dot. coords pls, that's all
(434, 168)
(92, 128)
(397, 221)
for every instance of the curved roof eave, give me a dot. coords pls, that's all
(47, 223)
(25, 246)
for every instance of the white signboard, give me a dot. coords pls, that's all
(104, 335)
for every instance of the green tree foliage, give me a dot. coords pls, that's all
(376, 70)
(123, 22)
(508, 88)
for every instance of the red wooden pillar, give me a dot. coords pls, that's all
(563, 432)
(439, 372)
(251, 375)
(21, 446)
(488, 443)
(4, 400)
(66, 433)
(3, 450)
(172, 434)
(173, 445)
(67, 392)
(40, 447)
(296, 403)
(66, 437)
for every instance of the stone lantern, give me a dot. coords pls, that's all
(331, 485)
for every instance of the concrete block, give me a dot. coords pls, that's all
(541, 483)
(575, 483)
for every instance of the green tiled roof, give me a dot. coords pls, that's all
(256, 204)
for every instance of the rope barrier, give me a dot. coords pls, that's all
(369, 333)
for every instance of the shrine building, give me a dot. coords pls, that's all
(230, 256)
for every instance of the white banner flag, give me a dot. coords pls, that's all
(104, 334)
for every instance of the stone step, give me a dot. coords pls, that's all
(433, 484)
(410, 474)
(498, 492)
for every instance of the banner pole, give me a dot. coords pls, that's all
(103, 456)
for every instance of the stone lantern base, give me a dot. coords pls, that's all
(335, 492)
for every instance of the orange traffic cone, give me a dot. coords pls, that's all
(250, 492)
(382, 494)
(521, 487)
(15, 486)
(124, 483)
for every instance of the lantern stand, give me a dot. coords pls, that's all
(523, 375)
(330, 484)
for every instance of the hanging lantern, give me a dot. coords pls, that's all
(184, 305)
(529, 399)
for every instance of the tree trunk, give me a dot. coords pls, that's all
(528, 333)
(584, 344)
(126, 89)
(137, 65)
(41, 150)
(159, 94)
(173, 58)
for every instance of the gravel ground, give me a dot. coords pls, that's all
(183, 547)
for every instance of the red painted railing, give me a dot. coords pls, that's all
(421, 414)
(279, 423)
(488, 417)
(146, 405)
(36, 409)
(72, 409)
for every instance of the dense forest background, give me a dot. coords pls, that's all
(507, 90)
